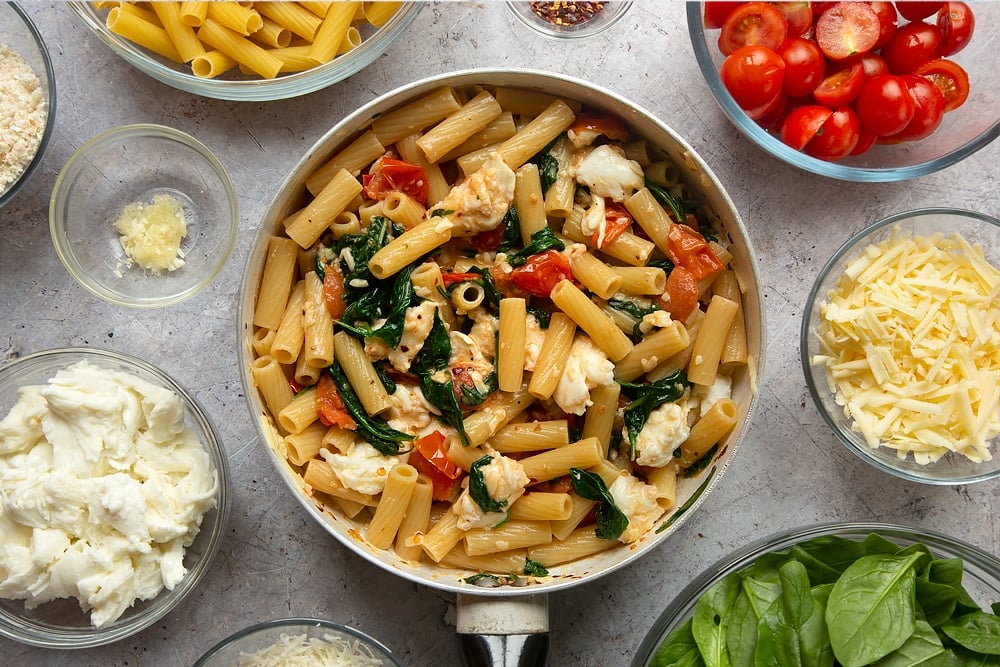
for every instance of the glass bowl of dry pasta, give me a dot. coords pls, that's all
(899, 345)
(456, 296)
(249, 51)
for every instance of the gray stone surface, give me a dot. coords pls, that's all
(275, 562)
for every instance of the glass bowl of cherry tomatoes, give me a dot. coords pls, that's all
(858, 91)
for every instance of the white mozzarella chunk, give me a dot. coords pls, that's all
(362, 468)
(416, 326)
(586, 368)
(664, 431)
(608, 173)
(505, 481)
(480, 202)
(637, 500)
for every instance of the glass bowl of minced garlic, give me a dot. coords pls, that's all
(157, 232)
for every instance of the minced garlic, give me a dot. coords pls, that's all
(151, 232)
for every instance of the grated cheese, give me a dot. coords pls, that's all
(330, 651)
(910, 341)
(151, 232)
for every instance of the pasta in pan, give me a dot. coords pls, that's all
(505, 385)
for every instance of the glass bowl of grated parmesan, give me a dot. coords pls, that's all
(298, 641)
(143, 215)
(27, 99)
(900, 345)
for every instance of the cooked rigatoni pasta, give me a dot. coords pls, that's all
(499, 367)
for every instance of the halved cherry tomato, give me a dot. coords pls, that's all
(887, 22)
(617, 220)
(753, 75)
(541, 273)
(450, 279)
(333, 292)
(716, 12)
(753, 23)
(804, 66)
(430, 458)
(688, 248)
(841, 86)
(680, 297)
(913, 45)
(798, 15)
(610, 126)
(918, 9)
(837, 137)
(884, 106)
(956, 24)
(765, 113)
(928, 109)
(865, 141)
(802, 123)
(390, 174)
(873, 65)
(847, 29)
(950, 78)
(330, 406)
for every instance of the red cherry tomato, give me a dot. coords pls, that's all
(617, 220)
(912, 46)
(847, 29)
(837, 136)
(330, 406)
(541, 273)
(715, 13)
(804, 66)
(950, 79)
(928, 109)
(873, 65)
(918, 10)
(771, 114)
(389, 174)
(753, 23)
(956, 24)
(802, 124)
(865, 141)
(681, 294)
(840, 87)
(884, 106)
(887, 22)
(753, 75)
(798, 15)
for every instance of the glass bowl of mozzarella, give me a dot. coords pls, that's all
(115, 497)
(456, 341)
(899, 345)
(305, 641)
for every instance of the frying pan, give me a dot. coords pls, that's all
(508, 625)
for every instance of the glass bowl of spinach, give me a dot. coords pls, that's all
(847, 594)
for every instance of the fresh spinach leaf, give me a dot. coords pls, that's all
(542, 240)
(611, 521)
(678, 649)
(780, 642)
(548, 171)
(477, 487)
(936, 600)
(827, 557)
(648, 397)
(922, 649)
(385, 439)
(711, 615)
(814, 639)
(748, 608)
(978, 631)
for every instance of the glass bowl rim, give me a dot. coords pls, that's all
(570, 33)
(753, 550)
(50, 117)
(787, 154)
(57, 222)
(166, 601)
(833, 265)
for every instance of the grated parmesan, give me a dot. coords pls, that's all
(151, 232)
(910, 341)
(23, 112)
(330, 651)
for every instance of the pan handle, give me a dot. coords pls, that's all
(503, 632)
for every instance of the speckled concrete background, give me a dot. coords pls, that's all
(275, 562)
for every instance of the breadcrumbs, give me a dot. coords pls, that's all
(23, 113)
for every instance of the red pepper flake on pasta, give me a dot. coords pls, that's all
(567, 13)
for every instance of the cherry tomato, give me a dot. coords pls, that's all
(716, 12)
(917, 10)
(798, 15)
(840, 87)
(873, 65)
(887, 22)
(680, 297)
(753, 23)
(688, 248)
(429, 457)
(928, 109)
(956, 24)
(610, 126)
(884, 106)
(617, 220)
(912, 46)
(802, 123)
(847, 29)
(753, 75)
(771, 114)
(389, 174)
(333, 292)
(804, 66)
(541, 273)
(330, 406)
(837, 137)
(950, 79)
(865, 141)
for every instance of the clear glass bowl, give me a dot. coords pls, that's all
(145, 160)
(982, 569)
(963, 131)
(612, 12)
(19, 34)
(952, 468)
(61, 624)
(248, 89)
(228, 652)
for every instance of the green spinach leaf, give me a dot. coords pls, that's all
(648, 397)
(477, 487)
(709, 624)
(430, 365)
(611, 521)
(542, 240)
(678, 649)
(978, 631)
(922, 649)
(387, 440)
(533, 568)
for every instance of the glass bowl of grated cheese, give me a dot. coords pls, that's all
(900, 344)
(298, 641)
(143, 215)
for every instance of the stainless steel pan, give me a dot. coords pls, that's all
(505, 625)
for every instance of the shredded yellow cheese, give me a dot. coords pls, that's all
(910, 341)
(330, 651)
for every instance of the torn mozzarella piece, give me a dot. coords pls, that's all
(608, 173)
(586, 368)
(479, 203)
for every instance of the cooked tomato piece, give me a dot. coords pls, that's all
(847, 29)
(753, 23)
(390, 174)
(430, 458)
(950, 78)
(610, 126)
(680, 297)
(333, 291)
(434, 450)
(330, 406)
(617, 221)
(450, 279)
(753, 75)
(689, 249)
(542, 272)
